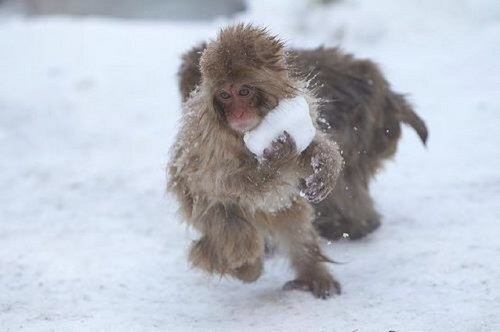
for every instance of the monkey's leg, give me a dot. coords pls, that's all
(229, 245)
(295, 233)
(348, 210)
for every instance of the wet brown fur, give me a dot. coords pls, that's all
(235, 201)
(360, 112)
(363, 115)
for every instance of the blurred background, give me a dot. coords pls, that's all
(299, 15)
(89, 107)
(134, 9)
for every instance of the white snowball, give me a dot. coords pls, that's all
(291, 115)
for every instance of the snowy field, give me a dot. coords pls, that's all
(89, 241)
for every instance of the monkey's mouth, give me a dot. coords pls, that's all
(244, 125)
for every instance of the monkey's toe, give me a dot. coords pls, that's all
(321, 288)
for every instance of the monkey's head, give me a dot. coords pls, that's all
(245, 74)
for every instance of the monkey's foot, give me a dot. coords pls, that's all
(351, 229)
(209, 255)
(242, 249)
(363, 228)
(321, 288)
(248, 272)
(203, 255)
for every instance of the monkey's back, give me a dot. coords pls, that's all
(357, 109)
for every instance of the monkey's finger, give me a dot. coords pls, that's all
(316, 196)
(271, 151)
(290, 140)
(283, 138)
(314, 189)
(288, 137)
(277, 143)
(320, 196)
(315, 199)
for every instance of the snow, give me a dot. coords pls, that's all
(90, 242)
(290, 116)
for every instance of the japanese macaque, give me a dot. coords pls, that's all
(243, 205)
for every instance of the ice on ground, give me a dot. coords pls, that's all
(89, 242)
(292, 116)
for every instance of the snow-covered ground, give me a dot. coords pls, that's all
(90, 242)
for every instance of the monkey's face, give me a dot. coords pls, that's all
(240, 105)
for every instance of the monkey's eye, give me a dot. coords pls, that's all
(224, 95)
(244, 92)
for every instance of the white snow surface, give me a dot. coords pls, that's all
(90, 242)
(291, 116)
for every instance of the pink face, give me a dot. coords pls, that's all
(239, 104)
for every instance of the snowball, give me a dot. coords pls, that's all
(291, 115)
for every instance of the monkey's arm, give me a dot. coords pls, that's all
(322, 164)
(252, 178)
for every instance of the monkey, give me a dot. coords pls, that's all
(239, 203)
(358, 111)
(363, 115)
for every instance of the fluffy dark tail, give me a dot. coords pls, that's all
(406, 115)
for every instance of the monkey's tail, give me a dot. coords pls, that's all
(406, 115)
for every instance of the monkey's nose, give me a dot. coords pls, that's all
(238, 114)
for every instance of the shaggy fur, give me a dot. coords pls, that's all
(358, 110)
(237, 202)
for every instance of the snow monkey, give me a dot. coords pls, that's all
(242, 204)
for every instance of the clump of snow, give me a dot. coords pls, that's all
(291, 116)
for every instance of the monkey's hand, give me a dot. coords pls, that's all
(281, 151)
(318, 186)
